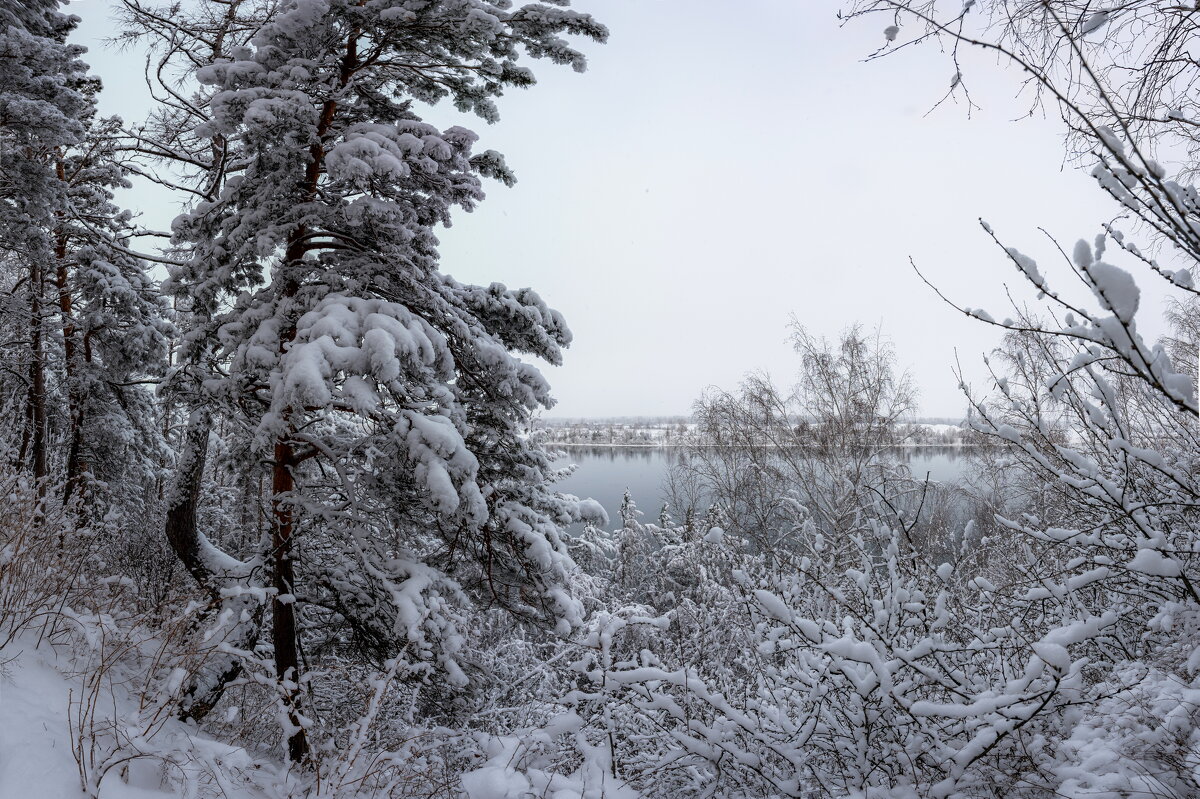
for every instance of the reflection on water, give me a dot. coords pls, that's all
(604, 473)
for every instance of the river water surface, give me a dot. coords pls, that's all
(604, 473)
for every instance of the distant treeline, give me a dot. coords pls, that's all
(667, 431)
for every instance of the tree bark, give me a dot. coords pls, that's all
(283, 605)
(75, 466)
(37, 381)
(184, 497)
(284, 631)
(198, 555)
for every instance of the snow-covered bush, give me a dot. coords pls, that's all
(827, 443)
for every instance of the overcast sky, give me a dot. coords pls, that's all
(722, 166)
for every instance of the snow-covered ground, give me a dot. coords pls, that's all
(54, 741)
(51, 749)
(35, 737)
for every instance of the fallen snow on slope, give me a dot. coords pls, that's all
(35, 740)
(125, 756)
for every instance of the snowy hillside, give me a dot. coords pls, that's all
(67, 730)
(36, 757)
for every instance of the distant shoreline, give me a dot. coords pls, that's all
(959, 445)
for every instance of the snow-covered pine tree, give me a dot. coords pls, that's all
(113, 324)
(41, 108)
(61, 233)
(388, 397)
(175, 149)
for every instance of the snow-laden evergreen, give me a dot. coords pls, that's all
(391, 400)
(88, 325)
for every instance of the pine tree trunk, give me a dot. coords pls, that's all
(283, 606)
(283, 573)
(284, 630)
(37, 380)
(26, 435)
(71, 352)
(183, 498)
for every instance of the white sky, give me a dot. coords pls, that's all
(722, 166)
